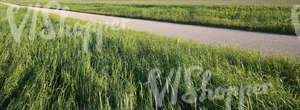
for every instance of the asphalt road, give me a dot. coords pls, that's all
(266, 42)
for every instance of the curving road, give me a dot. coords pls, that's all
(266, 42)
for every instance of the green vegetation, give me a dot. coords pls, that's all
(58, 74)
(264, 18)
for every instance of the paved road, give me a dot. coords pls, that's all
(206, 2)
(267, 43)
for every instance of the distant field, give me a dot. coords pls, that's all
(264, 18)
(58, 74)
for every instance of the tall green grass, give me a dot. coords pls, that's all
(58, 74)
(264, 18)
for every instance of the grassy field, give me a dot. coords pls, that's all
(264, 18)
(58, 74)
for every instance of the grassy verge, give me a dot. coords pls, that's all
(264, 18)
(58, 74)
